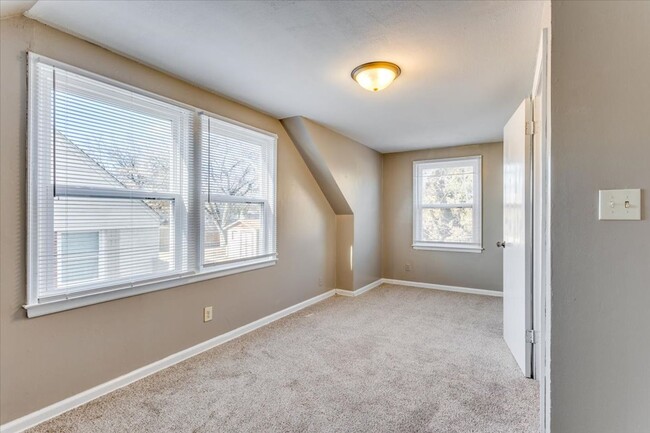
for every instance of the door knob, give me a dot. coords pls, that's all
(501, 244)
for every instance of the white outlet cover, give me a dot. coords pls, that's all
(207, 314)
(619, 204)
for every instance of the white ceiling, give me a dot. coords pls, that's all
(465, 65)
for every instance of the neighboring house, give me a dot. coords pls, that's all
(238, 240)
(243, 238)
(125, 231)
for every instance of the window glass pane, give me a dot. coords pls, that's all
(232, 166)
(132, 239)
(454, 185)
(104, 140)
(232, 231)
(79, 256)
(447, 225)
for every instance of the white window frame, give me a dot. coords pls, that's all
(476, 246)
(37, 305)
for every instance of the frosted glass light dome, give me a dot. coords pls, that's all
(375, 76)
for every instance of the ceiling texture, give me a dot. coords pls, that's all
(465, 65)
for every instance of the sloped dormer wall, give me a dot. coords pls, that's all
(350, 176)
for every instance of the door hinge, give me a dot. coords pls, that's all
(531, 336)
(530, 128)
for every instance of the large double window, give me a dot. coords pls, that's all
(447, 204)
(130, 192)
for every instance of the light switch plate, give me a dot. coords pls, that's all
(619, 204)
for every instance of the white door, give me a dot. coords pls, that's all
(517, 217)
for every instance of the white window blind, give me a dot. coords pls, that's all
(120, 202)
(110, 161)
(237, 193)
(447, 204)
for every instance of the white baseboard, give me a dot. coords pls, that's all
(443, 287)
(361, 290)
(84, 397)
(42, 415)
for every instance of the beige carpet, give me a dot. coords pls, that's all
(395, 359)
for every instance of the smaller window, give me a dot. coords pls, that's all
(447, 204)
(237, 195)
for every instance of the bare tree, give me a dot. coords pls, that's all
(141, 172)
(227, 176)
(129, 170)
(230, 178)
(448, 186)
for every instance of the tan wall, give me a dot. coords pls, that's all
(600, 85)
(357, 171)
(46, 359)
(344, 240)
(481, 271)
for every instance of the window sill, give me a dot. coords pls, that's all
(448, 248)
(81, 300)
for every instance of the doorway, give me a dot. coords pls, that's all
(526, 242)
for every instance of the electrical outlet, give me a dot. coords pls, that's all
(407, 267)
(320, 282)
(207, 314)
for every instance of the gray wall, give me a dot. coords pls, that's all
(46, 359)
(600, 86)
(480, 271)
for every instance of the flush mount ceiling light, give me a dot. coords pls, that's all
(375, 76)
